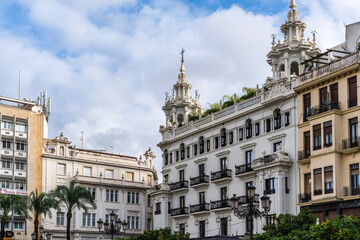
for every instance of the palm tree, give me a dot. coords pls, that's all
(72, 197)
(41, 204)
(11, 204)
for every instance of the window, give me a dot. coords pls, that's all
(92, 191)
(334, 95)
(182, 151)
(241, 134)
(269, 186)
(5, 183)
(195, 148)
(182, 228)
(19, 127)
(287, 185)
(329, 184)
(355, 184)
(20, 166)
(149, 224)
(182, 175)
(111, 195)
(20, 185)
(327, 134)
(149, 201)
(133, 197)
(223, 137)
(87, 171)
(353, 127)
(317, 181)
(277, 119)
(224, 227)
(352, 86)
(109, 173)
(89, 220)
(216, 142)
(317, 136)
(19, 225)
(130, 176)
(177, 156)
(248, 129)
(202, 198)
(223, 193)
(157, 208)
(7, 125)
(294, 68)
(323, 94)
(166, 157)
(231, 137)
(270, 219)
(277, 145)
(171, 157)
(307, 106)
(6, 164)
(149, 179)
(257, 129)
(182, 201)
(201, 144)
(21, 146)
(208, 145)
(188, 152)
(249, 157)
(61, 169)
(268, 125)
(307, 144)
(201, 169)
(7, 144)
(223, 163)
(201, 228)
(166, 178)
(60, 218)
(287, 119)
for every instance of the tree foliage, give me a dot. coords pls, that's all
(160, 234)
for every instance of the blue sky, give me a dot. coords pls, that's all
(106, 64)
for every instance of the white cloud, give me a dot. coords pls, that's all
(121, 56)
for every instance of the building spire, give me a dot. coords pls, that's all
(293, 4)
(182, 68)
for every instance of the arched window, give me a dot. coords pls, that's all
(223, 137)
(277, 119)
(182, 151)
(294, 68)
(201, 144)
(248, 128)
(282, 68)
(180, 119)
(166, 157)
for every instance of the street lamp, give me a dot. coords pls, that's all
(251, 211)
(114, 227)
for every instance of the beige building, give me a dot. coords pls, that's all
(23, 127)
(328, 130)
(117, 182)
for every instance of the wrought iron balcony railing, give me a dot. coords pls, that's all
(245, 199)
(304, 197)
(198, 180)
(179, 185)
(225, 173)
(179, 211)
(350, 143)
(200, 207)
(303, 154)
(243, 168)
(351, 191)
(220, 204)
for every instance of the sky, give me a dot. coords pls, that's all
(107, 64)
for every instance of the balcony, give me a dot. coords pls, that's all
(199, 208)
(304, 154)
(182, 211)
(20, 173)
(241, 169)
(269, 191)
(20, 135)
(351, 191)
(313, 111)
(178, 186)
(199, 181)
(8, 133)
(221, 176)
(317, 192)
(6, 172)
(305, 197)
(246, 200)
(157, 212)
(329, 190)
(6, 152)
(220, 205)
(350, 143)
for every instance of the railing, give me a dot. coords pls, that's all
(351, 191)
(178, 185)
(225, 173)
(179, 211)
(220, 204)
(324, 108)
(317, 192)
(303, 154)
(350, 143)
(269, 191)
(243, 168)
(305, 197)
(157, 212)
(331, 67)
(329, 190)
(267, 159)
(199, 207)
(245, 199)
(199, 180)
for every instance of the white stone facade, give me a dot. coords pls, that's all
(118, 183)
(254, 141)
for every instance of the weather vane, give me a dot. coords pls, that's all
(182, 54)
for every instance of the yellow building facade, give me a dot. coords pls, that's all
(328, 154)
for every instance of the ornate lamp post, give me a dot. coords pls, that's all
(114, 227)
(43, 236)
(251, 211)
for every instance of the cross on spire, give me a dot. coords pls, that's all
(182, 54)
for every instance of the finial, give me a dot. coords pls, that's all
(293, 4)
(182, 54)
(273, 38)
(314, 35)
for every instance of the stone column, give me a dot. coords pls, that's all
(280, 190)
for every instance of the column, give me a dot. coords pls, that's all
(280, 178)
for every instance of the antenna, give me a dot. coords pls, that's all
(19, 86)
(82, 139)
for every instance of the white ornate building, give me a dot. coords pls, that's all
(254, 141)
(117, 182)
